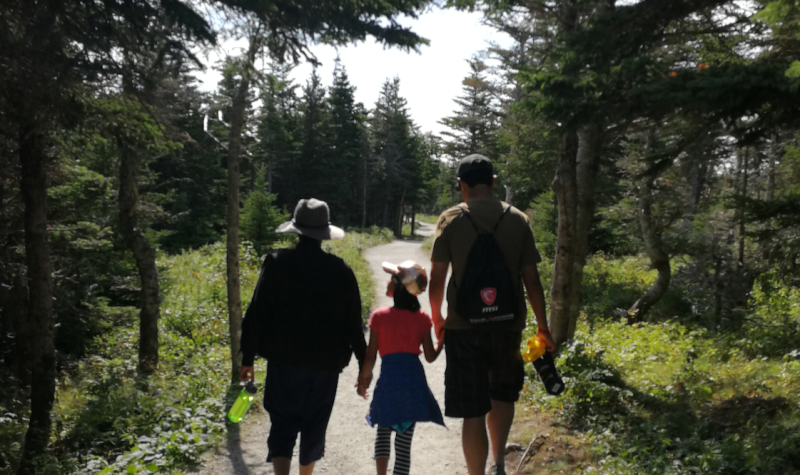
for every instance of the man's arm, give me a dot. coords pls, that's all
(355, 332)
(251, 332)
(436, 290)
(533, 285)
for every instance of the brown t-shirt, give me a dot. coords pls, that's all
(454, 238)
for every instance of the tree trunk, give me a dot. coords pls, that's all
(509, 195)
(398, 218)
(413, 219)
(719, 287)
(19, 314)
(40, 322)
(565, 188)
(589, 142)
(232, 258)
(774, 151)
(659, 259)
(743, 196)
(364, 196)
(145, 255)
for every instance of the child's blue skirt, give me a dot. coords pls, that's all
(402, 393)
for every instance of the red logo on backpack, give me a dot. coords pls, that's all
(488, 295)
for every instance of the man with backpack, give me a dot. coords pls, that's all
(493, 253)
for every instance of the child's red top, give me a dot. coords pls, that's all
(400, 331)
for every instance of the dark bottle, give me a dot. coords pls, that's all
(546, 367)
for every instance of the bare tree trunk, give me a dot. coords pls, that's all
(413, 219)
(19, 314)
(364, 196)
(41, 344)
(509, 195)
(145, 255)
(659, 259)
(398, 218)
(565, 188)
(589, 142)
(774, 151)
(743, 160)
(232, 245)
(719, 287)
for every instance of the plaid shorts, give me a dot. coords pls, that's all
(481, 366)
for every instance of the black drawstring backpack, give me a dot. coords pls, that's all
(487, 293)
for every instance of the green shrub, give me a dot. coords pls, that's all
(772, 325)
(662, 398)
(260, 216)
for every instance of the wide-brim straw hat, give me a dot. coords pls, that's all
(312, 218)
(411, 274)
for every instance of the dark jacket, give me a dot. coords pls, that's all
(306, 311)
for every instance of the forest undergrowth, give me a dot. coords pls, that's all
(672, 395)
(108, 421)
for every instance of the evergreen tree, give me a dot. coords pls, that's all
(260, 217)
(348, 158)
(473, 127)
(397, 152)
(280, 134)
(313, 161)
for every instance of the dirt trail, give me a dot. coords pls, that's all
(350, 439)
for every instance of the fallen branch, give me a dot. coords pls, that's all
(522, 459)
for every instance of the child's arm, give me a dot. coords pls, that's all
(431, 353)
(365, 378)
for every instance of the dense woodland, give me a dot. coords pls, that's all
(654, 144)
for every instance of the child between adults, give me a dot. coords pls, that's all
(402, 396)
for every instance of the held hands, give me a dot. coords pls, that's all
(439, 345)
(438, 327)
(246, 373)
(362, 386)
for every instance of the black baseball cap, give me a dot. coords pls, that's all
(474, 163)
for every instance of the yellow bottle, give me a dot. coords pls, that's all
(243, 402)
(536, 349)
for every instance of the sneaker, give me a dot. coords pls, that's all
(498, 470)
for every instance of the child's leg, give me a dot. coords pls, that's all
(383, 449)
(402, 451)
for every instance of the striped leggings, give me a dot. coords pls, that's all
(402, 448)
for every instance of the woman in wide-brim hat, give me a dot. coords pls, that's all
(312, 219)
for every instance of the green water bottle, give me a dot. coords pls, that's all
(243, 402)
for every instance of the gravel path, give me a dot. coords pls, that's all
(435, 450)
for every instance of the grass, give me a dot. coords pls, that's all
(108, 421)
(428, 218)
(668, 397)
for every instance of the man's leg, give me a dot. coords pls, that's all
(281, 402)
(475, 444)
(317, 414)
(281, 465)
(499, 421)
(306, 469)
(506, 378)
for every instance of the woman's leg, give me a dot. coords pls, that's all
(402, 451)
(383, 449)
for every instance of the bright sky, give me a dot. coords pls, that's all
(429, 80)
